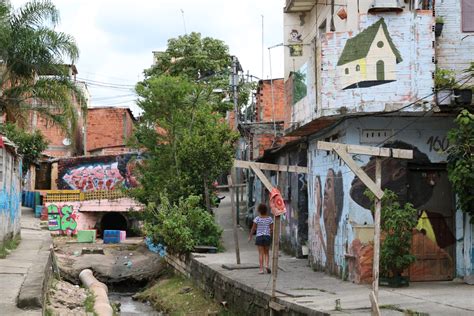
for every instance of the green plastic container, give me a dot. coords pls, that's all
(86, 236)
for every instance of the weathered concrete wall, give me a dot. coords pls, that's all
(69, 217)
(10, 193)
(97, 172)
(240, 298)
(339, 216)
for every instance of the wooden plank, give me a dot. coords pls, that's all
(367, 150)
(359, 172)
(234, 220)
(378, 209)
(261, 176)
(269, 166)
(375, 304)
(225, 186)
(275, 249)
(276, 307)
(402, 153)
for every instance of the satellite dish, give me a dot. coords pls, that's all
(66, 142)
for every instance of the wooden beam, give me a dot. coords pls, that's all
(261, 176)
(359, 172)
(270, 166)
(376, 261)
(367, 150)
(234, 220)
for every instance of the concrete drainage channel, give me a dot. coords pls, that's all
(104, 298)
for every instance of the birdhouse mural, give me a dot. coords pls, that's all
(368, 59)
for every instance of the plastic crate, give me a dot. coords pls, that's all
(123, 235)
(112, 240)
(112, 233)
(86, 236)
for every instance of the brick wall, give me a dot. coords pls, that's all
(270, 107)
(108, 127)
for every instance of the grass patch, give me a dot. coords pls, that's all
(89, 303)
(8, 246)
(408, 312)
(177, 295)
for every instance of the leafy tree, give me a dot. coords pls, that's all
(461, 161)
(33, 71)
(30, 146)
(187, 140)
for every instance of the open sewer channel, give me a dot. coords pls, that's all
(130, 307)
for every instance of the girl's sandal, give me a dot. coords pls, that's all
(269, 271)
(261, 272)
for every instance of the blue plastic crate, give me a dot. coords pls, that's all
(112, 240)
(112, 233)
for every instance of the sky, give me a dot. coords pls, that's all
(116, 38)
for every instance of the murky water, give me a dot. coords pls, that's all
(130, 307)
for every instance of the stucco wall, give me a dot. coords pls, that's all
(69, 217)
(335, 196)
(10, 194)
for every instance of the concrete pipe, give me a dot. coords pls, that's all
(99, 290)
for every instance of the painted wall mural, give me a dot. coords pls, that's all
(98, 173)
(369, 58)
(62, 219)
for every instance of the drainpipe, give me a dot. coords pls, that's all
(99, 290)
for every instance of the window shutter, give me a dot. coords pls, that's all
(467, 11)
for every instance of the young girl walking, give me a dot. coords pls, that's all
(263, 225)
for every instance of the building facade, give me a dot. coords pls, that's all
(10, 190)
(362, 72)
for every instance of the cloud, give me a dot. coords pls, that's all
(116, 38)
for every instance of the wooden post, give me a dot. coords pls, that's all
(275, 250)
(234, 220)
(375, 266)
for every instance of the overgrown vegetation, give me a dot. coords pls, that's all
(181, 226)
(89, 303)
(176, 295)
(8, 246)
(461, 161)
(30, 145)
(397, 224)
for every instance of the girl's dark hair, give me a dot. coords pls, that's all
(262, 209)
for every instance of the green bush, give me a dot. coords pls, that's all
(397, 224)
(181, 226)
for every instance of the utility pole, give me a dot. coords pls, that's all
(236, 67)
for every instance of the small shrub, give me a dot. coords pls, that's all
(397, 224)
(444, 78)
(181, 226)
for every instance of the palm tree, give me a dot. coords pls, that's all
(33, 68)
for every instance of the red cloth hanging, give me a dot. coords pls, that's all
(277, 204)
(2, 145)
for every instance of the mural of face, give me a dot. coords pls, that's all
(319, 245)
(332, 210)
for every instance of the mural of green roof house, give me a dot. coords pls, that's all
(368, 59)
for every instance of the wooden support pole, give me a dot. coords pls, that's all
(375, 265)
(234, 219)
(275, 250)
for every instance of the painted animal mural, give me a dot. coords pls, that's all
(62, 219)
(369, 58)
(428, 191)
(98, 173)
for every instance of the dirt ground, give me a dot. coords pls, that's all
(66, 299)
(129, 261)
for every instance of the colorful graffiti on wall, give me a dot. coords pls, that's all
(369, 58)
(98, 173)
(62, 219)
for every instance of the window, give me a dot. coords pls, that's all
(346, 71)
(358, 68)
(467, 12)
(379, 44)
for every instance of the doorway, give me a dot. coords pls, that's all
(113, 221)
(434, 240)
